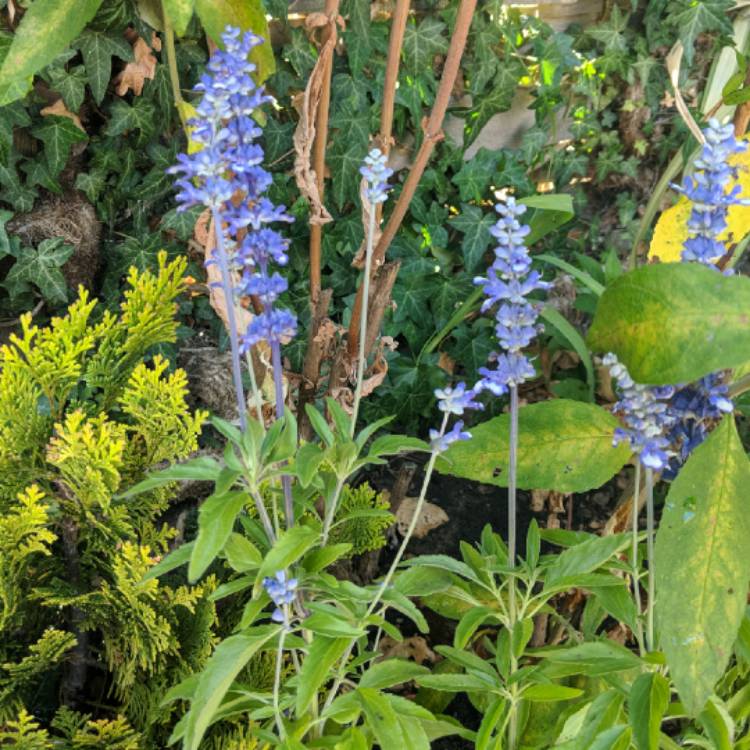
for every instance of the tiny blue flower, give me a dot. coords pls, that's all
(457, 399)
(442, 441)
(377, 173)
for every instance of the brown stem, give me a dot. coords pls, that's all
(432, 134)
(319, 152)
(742, 114)
(385, 138)
(319, 345)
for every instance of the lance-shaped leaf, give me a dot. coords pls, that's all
(674, 322)
(703, 564)
(563, 445)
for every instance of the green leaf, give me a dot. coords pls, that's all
(475, 175)
(391, 672)
(46, 29)
(611, 32)
(97, 49)
(421, 43)
(563, 445)
(203, 468)
(242, 555)
(475, 226)
(226, 662)
(344, 159)
(703, 564)
(647, 704)
(58, 134)
(584, 558)
(331, 625)
(674, 322)
(247, 15)
(454, 683)
(498, 99)
(321, 558)
(691, 18)
(718, 725)
(614, 738)
(549, 692)
(125, 118)
(592, 659)
(41, 266)
(317, 668)
(175, 559)
(551, 211)
(287, 549)
(215, 521)
(179, 13)
(71, 85)
(574, 338)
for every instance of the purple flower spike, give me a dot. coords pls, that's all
(456, 400)
(377, 174)
(509, 282)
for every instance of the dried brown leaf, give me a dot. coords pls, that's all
(431, 517)
(143, 67)
(59, 109)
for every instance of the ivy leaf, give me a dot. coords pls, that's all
(357, 35)
(475, 226)
(20, 196)
(610, 32)
(413, 290)
(691, 18)
(38, 173)
(277, 139)
(355, 124)
(532, 144)
(97, 49)
(91, 183)
(421, 43)
(344, 160)
(182, 223)
(300, 53)
(498, 99)
(473, 345)
(475, 176)
(124, 117)
(58, 134)
(46, 29)
(447, 295)
(41, 266)
(71, 85)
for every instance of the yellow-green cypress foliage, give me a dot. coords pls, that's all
(84, 413)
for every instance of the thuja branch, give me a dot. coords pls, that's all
(433, 134)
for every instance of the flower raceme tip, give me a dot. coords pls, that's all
(376, 172)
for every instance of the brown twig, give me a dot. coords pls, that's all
(319, 346)
(432, 134)
(319, 149)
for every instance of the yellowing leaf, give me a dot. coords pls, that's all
(188, 112)
(671, 232)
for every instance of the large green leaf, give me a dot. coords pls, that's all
(41, 266)
(46, 29)
(703, 564)
(179, 13)
(674, 322)
(217, 675)
(248, 15)
(563, 445)
(318, 667)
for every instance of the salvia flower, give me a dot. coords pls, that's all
(282, 591)
(509, 282)
(457, 399)
(377, 173)
(707, 189)
(440, 441)
(227, 176)
(646, 415)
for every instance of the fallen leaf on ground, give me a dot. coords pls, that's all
(414, 648)
(431, 517)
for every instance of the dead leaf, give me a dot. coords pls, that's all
(304, 135)
(414, 648)
(59, 109)
(430, 517)
(135, 73)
